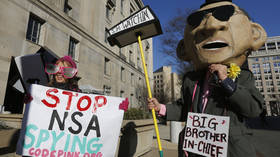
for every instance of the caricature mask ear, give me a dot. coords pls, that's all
(259, 36)
(180, 50)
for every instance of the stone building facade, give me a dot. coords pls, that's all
(265, 65)
(78, 28)
(166, 85)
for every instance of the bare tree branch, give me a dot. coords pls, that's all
(173, 33)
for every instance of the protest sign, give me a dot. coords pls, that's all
(206, 135)
(65, 123)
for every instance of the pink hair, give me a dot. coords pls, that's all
(68, 59)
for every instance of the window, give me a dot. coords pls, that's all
(34, 28)
(271, 46)
(109, 11)
(262, 48)
(131, 58)
(121, 93)
(72, 47)
(138, 61)
(107, 66)
(106, 35)
(132, 9)
(122, 6)
(67, 8)
(278, 44)
(268, 89)
(266, 58)
(276, 57)
(131, 98)
(132, 79)
(123, 74)
(266, 77)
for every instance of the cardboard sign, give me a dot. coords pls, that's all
(206, 135)
(65, 123)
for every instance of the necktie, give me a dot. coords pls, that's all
(205, 92)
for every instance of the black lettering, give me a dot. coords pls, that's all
(93, 120)
(133, 19)
(200, 143)
(213, 150)
(201, 134)
(76, 122)
(219, 150)
(206, 134)
(196, 122)
(188, 132)
(212, 125)
(203, 122)
(206, 148)
(212, 137)
(145, 14)
(191, 144)
(223, 137)
(125, 25)
(56, 117)
(185, 143)
(194, 132)
(218, 137)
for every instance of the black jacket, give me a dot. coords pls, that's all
(246, 101)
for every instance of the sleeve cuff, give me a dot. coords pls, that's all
(229, 86)
(162, 111)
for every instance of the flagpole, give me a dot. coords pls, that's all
(150, 94)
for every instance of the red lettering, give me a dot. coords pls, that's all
(97, 103)
(79, 103)
(86, 155)
(70, 94)
(99, 154)
(31, 151)
(37, 152)
(48, 93)
(53, 153)
(60, 153)
(45, 153)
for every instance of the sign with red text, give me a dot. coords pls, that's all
(206, 135)
(60, 123)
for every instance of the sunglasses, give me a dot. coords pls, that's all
(67, 72)
(222, 13)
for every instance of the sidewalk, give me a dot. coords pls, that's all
(169, 149)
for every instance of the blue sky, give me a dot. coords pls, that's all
(266, 13)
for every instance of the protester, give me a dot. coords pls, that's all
(217, 40)
(63, 74)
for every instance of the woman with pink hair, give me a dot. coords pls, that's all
(63, 74)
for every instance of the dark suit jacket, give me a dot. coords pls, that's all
(246, 101)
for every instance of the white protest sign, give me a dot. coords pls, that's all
(65, 123)
(206, 135)
(142, 16)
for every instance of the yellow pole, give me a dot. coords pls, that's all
(150, 94)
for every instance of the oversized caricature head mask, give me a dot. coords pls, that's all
(219, 32)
